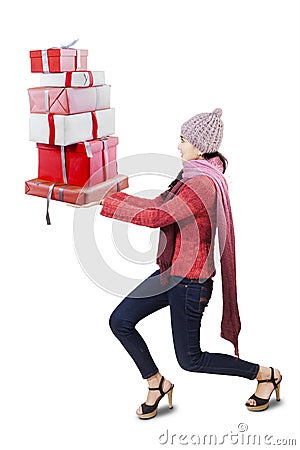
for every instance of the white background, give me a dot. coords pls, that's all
(66, 382)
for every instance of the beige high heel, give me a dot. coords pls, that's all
(170, 395)
(149, 411)
(263, 403)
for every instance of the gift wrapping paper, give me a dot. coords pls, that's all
(57, 100)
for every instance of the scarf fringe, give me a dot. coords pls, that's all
(234, 342)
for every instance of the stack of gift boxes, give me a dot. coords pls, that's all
(72, 123)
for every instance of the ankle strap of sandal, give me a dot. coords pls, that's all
(159, 388)
(270, 380)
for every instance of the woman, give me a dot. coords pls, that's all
(188, 214)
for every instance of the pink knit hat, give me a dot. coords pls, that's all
(204, 131)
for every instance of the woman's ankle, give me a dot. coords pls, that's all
(154, 380)
(264, 373)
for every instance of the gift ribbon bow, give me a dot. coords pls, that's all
(68, 45)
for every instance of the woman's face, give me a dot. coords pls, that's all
(187, 150)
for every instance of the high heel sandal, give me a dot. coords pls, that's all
(263, 403)
(149, 411)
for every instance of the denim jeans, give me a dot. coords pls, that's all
(187, 300)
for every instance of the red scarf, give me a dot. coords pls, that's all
(230, 325)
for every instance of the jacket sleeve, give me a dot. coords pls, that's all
(134, 200)
(156, 213)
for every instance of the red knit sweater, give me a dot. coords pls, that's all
(192, 210)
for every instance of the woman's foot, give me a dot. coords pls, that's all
(153, 382)
(264, 390)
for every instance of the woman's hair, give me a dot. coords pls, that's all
(178, 178)
(213, 155)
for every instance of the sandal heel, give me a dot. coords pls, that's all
(278, 392)
(170, 394)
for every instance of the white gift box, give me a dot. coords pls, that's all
(56, 129)
(73, 79)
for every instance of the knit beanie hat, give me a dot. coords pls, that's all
(204, 131)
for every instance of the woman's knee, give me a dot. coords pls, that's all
(189, 364)
(115, 323)
(119, 325)
(186, 365)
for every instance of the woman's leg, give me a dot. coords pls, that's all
(188, 302)
(141, 302)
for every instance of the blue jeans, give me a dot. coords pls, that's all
(187, 300)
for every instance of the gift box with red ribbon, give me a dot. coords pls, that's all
(64, 100)
(74, 194)
(77, 195)
(58, 60)
(81, 78)
(85, 163)
(57, 129)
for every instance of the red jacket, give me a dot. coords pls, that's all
(194, 212)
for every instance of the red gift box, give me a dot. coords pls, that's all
(85, 163)
(58, 60)
(75, 194)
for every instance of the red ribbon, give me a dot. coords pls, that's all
(76, 58)
(91, 78)
(51, 129)
(95, 125)
(68, 81)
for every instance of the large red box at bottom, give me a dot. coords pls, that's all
(75, 194)
(89, 162)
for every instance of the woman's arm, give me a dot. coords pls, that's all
(141, 211)
(135, 200)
